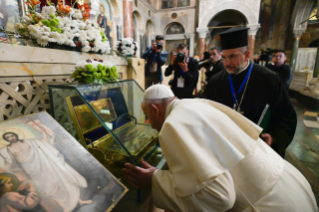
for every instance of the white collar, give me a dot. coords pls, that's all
(244, 68)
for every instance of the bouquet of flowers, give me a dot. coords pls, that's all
(127, 46)
(63, 25)
(95, 71)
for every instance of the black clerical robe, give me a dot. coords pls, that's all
(284, 72)
(217, 67)
(264, 87)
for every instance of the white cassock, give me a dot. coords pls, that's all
(217, 162)
(46, 167)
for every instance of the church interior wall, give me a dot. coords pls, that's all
(275, 26)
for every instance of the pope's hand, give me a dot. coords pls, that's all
(268, 139)
(139, 177)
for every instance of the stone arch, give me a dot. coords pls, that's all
(247, 12)
(115, 7)
(139, 19)
(170, 24)
(302, 11)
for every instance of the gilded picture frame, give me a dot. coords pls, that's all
(37, 154)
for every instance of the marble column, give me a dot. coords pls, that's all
(191, 47)
(128, 19)
(175, 3)
(294, 52)
(202, 32)
(316, 70)
(253, 28)
(140, 41)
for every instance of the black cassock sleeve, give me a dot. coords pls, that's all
(283, 119)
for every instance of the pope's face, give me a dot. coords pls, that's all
(153, 117)
(234, 59)
(11, 137)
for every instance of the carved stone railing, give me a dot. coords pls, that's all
(25, 73)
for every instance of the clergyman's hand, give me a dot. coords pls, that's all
(139, 177)
(268, 138)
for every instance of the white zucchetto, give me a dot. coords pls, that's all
(158, 91)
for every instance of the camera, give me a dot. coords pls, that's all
(180, 57)
(266, 55)
(159, 45)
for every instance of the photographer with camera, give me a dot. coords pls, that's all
(155, 57)
(185, 73)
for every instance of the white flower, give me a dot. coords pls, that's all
(82, 26)
(69, 35)
(66, 29)
(62, 39)
(77, 14)
(86, 49)
(75, 30)
(46, 29)
(48, 10)
(43, 41)
(81, 64)
(93, 34)
(52, 40)
(46, 34)
(83, 36)
(39, 15)
(26, 20)
(35, 30)
(71, 13)
(72, 23)
(95, 63)
(55, 35)
(85, 43)
(77, 35)
(70, 43)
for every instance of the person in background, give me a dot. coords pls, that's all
(155, 57)
(249, 88)
(281, 69)
(216, 63)
(185, 73)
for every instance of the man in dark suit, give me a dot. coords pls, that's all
(155, 57)
(185, 73)
(216, 64)
(281, 69)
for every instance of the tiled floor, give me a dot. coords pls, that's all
(303, 152)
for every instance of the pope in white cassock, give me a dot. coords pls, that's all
(216, 160)
(39, 161)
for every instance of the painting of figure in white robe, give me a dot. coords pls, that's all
(38, 150)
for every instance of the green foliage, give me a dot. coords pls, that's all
(100, 74)
(53, 29)
(89, 67)
(52, 16)
(46, 22)
(53, 22)
(103, 37)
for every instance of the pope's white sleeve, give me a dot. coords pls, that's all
(217, 195)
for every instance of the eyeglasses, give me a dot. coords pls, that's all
(231, 57)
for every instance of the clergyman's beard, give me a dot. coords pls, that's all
(235, 71)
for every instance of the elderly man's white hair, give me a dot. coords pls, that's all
(157, 94)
